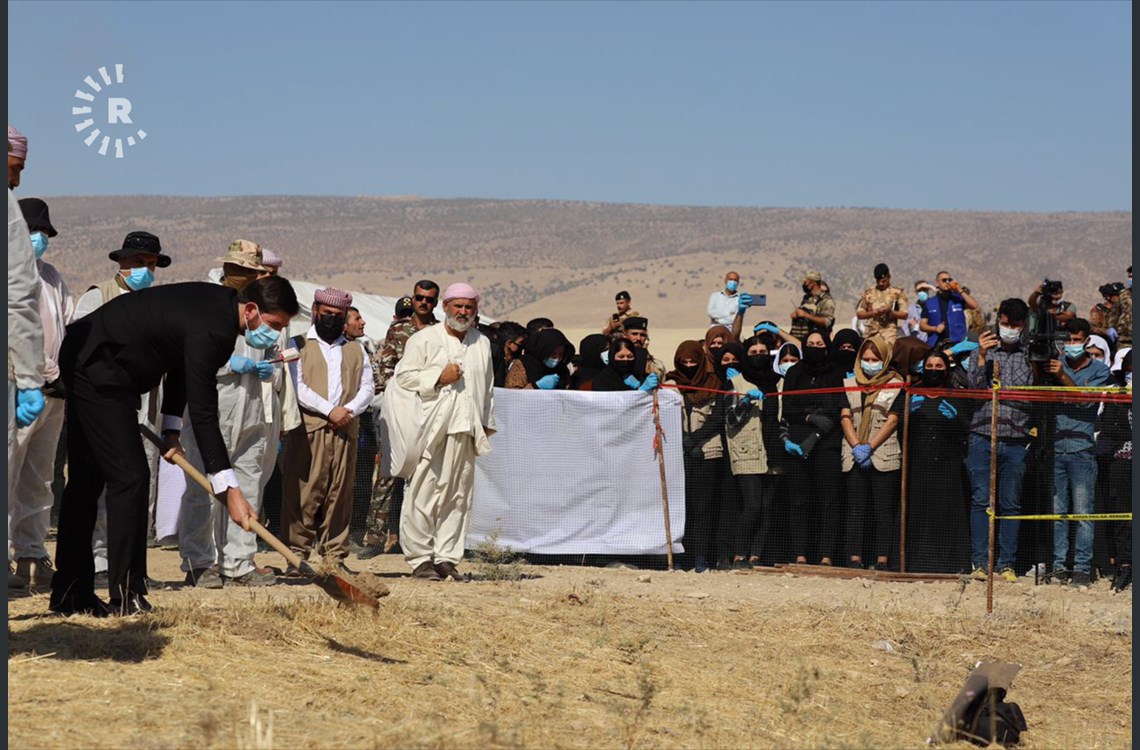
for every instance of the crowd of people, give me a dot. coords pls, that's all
(792, 437)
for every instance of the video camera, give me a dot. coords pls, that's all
(1042, 325)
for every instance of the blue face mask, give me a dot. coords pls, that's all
(1128, 282)
(965, 364)
(552, 362)
(39, 244)
(1074, 351)
(785, 366)
(140, 278)
(262, 337)
(871, 368)
(731, 285)
(1128, 379)
(923, 296)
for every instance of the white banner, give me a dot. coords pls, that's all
(574, 472)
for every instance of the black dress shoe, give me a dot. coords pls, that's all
(134, 604)
(79, 604)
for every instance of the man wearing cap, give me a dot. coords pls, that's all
(817, 309)
(383, 533)
(448, 376)
(33, 464)
(724, 305)
(333, 381)
(636, 329)
(176, 336)
(213, 547)
(17, 155)
(25, 341)
(614, 323)
(138, 258)
(882, 307)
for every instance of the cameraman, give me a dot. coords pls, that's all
(1005, 349)
(1074, 465)
(1049, 297)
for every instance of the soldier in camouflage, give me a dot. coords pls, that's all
(387, 492)
(1120, 318)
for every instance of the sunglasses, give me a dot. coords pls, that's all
(425, 298)
(945, 280)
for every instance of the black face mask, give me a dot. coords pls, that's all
(623, 367)
(807, 289)
(815, 355)
(329, 327)
(688, 370)
(935, 378)
(760, 361)
(845, 359)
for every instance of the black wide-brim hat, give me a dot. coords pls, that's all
(140, 242)
(36, 215)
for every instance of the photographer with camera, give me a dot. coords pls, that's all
(944, 314)
(1049, 297)
(1004, 348)
(1074, 465)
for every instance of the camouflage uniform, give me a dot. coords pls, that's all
(1099, 316)
(820, 304)
(887, 325)
(386, 490)
(1120, 318)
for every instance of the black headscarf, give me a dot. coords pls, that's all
(929, 377)
(612, 376)
(590, 363)
(542, 345)
(735, 348)
(757, 368)
(818, 360)
(844, 360)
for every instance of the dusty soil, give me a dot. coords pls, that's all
(567, 657)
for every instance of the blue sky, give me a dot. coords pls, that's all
(985, 105)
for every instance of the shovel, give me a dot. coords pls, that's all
(335, 586)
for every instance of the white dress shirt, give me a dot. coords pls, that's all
(723, 308)
(311, 400)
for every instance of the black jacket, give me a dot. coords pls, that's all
(177, 335)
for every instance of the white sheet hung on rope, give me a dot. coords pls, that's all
(574, 472)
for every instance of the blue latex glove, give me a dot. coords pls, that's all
(793, 449)
(264, 370)
(745, 303)
(947, 410)
(241, 365)
(731, 372)
(29, 405)
(632, 382)
(962, 347)
(1111, 333)
(549, 382)
(862, 454)
(650, 383)
(771, 328)
(916, 402)
(755, 394)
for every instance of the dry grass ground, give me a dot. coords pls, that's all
(572, 657)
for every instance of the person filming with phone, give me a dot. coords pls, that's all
(882, 307)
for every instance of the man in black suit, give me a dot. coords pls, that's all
(176, 335)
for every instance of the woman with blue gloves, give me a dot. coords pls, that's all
(809, 427)
(544, 364)
(938, 504)
(872, 456)
(627, 369)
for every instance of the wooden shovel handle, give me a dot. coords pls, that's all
(180, 461)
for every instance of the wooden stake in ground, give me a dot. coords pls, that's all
(902, 491)
(335, 586)
(659, 447)
(993, 488)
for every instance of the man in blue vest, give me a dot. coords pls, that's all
(944, 315)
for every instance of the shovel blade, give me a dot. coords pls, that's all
(339, 588)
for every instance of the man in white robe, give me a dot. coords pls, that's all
(445, 424)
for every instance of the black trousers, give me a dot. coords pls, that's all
(877, 490)
(1120, 496)
(104, 450)
(703, 490)
(757, 492)
(816, 487)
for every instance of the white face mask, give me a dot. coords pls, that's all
(1009, 335)
(870, 367)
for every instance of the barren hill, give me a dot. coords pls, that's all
(567, 259)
